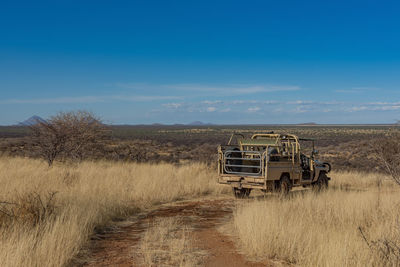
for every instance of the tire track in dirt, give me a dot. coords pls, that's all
(115, 246)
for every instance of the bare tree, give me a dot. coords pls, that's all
(49, 138)
(74, 135)
(387, 150)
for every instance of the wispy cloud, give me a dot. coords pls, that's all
(253, 109)
(354, 90)
(144, 98)
(376, 106)
(58, 100)
(226, 110)
(232, 89)
(89, 99)
(301, 102)
(207, 102)
(132, 85)
(265, 89)
(279, 107)
(172, 105)
(261, 102)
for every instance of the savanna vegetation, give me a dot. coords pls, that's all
(346, 147)
(354, 223)
(67, 178)
(47, 214)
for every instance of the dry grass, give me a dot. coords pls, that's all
(353, 180)
(309, 229)
(37, 230)
(168, 242)
(48, 214)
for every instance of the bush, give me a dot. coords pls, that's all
(387, 150)
(32, 209)
(73, 135)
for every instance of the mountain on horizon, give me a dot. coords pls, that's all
(199, 123)
(307, 123)
(32, 121)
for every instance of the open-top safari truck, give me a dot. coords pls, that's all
(270, 162)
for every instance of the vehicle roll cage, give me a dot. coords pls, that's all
(281, 140)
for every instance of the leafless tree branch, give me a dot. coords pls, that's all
(71, 135)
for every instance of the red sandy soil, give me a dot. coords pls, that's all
(115, 246)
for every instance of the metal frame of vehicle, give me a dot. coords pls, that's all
(262, 161)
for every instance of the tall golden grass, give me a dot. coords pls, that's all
(37, 230)
(309, 229)
(48, 214)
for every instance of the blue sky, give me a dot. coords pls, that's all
(223, 62)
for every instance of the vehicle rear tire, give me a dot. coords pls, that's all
(241, 193)
(322, 183)
(284, 186)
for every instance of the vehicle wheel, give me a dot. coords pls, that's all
(237, 154)
(322, 183)
(241, 193)
(247, 192)
(284, 185)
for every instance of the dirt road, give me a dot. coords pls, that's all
(114, 247)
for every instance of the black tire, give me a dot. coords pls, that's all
(247, 192)
(241, 193)
(285, 185)
(322, 183)
(235, 154)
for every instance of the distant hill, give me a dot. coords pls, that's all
(199, 123)
(31, 121)
(307, 123)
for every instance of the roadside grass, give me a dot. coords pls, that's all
(48, 214)
(354, 223)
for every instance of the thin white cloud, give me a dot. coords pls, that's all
(226, 110)
(299, 106)
(384, 103)
(301, 109)
(270, 102)
(89, 99)
(261, 102)
(218, 89)
(356, 90)
(143, 98)
(394, 107)
(207, 102)
(358, 108)
(132, 85)
(253, 109)
(172, 105)
(238, 102)
(376, 106)
(232, 89)
(300, 102)
(346, 91)
(265, 89)
(59, 100)
(366, 88)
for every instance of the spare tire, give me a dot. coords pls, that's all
(234, 154)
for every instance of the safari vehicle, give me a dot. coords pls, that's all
(270, 162)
